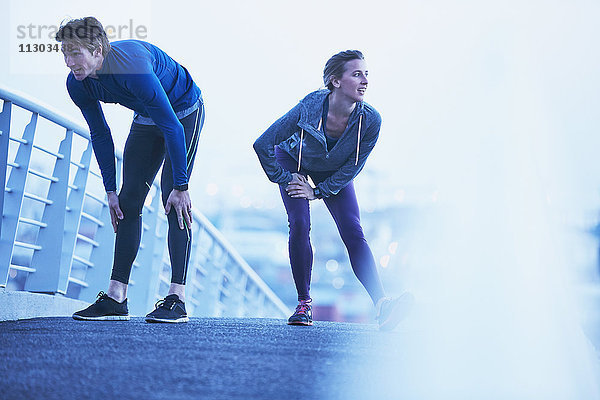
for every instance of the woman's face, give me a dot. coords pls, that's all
(353, 83)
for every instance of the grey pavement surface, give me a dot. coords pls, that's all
(207, 358)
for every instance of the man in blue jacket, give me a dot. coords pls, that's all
(168, 117)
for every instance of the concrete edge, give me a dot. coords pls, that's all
(15, 305)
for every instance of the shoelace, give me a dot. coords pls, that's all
(100, 296)
(302, 308)
(164, 303)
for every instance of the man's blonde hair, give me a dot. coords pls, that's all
(87, 32)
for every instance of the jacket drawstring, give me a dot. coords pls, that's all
(358, 140)
(302, 139)
(300, 152)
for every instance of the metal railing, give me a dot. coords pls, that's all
(56, 236)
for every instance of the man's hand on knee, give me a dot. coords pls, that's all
(181, 202)
(115, 209)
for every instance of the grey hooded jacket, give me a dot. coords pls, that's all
(303, 124)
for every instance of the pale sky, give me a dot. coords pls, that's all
(446, 77)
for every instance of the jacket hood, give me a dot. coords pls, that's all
(312, 119)
(313, 106)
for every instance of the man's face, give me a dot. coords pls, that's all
(79, 59)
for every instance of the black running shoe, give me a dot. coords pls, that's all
(170, 310)
(390, 311)
(104, 309)
(302, 315)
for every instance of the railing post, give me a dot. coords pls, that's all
(241, 295)
(4, 139)
(218, 279)
(14, 197)
(101, 257)
(119, 169)
(97, 275)
(141, 294)
(47, 261)
(191, 289)
(158, 256)
(232, 293)
(73, 217)
(261, 304)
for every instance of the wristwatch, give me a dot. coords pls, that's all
(181, 188)
(317, 192)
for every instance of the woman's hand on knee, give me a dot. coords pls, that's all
(299, 188)
(297, 178)
(181, 202)
(115, 209)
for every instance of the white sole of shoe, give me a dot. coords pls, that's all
(168, 321)
(104, 318)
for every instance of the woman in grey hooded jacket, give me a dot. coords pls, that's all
(328, 137)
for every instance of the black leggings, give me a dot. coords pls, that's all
(143, 155)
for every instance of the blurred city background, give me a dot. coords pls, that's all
(469, 92)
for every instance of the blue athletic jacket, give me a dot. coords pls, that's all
(143, 78)
(303, 123)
